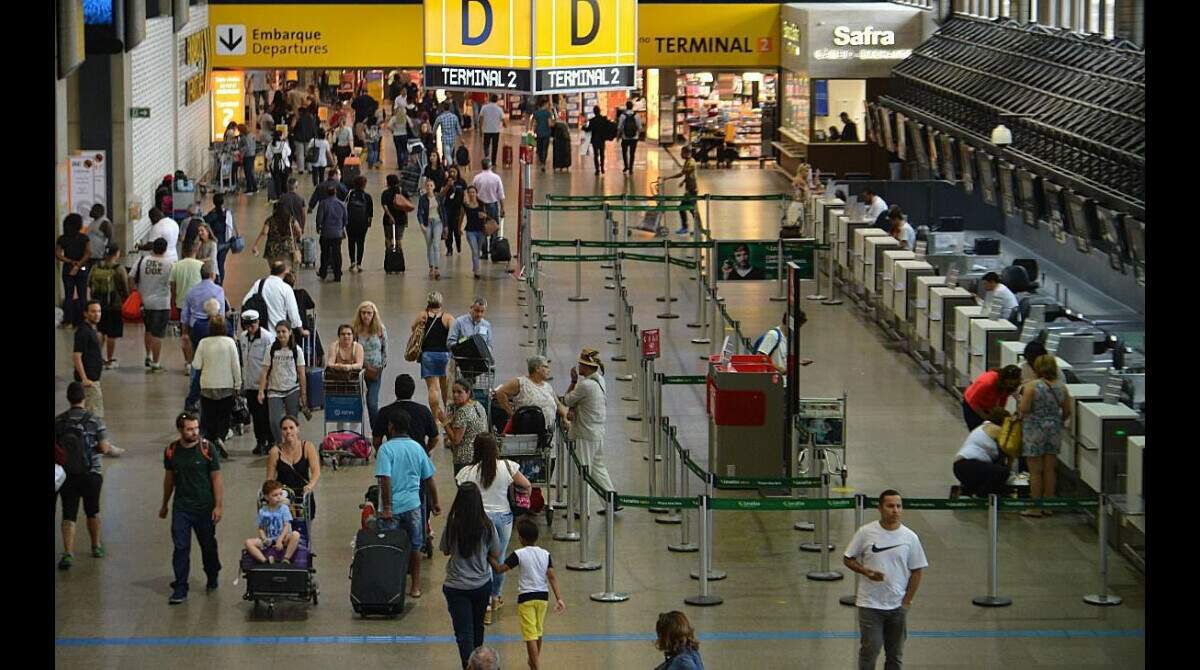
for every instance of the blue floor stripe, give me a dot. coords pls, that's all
(719, 636)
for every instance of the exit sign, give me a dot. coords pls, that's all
(139, 112)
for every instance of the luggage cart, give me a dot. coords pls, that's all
(535, 460)
(273, 582)
(652, 221)
(345, 412)
(223, 158)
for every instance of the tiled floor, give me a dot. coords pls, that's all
(903, 432)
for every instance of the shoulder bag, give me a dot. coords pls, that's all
(1011, 437)
(518, 500)
(412, 351)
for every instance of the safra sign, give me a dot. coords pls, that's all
(844, 37)
(530, 46)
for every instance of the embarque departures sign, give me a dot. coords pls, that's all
(530, 46)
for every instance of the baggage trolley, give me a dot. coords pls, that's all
(534, 456)
(345, 412)
(652, 221)
(274, 582)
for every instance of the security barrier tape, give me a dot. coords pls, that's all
(684, 379)
(1056, 503)
(595, 487)
(766, 482)
(691, 265)
(566, 208)
(573, 257)
(647, 501)
(643, 257)
(780, 504)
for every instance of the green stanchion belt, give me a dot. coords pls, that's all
(566, 208)
(691, 265)
(780, 504)
(1054, 503)
(640, 208)
(748, 198)
(769, 482)
(693, 466)
(600, 491)
(612, 197)
(639, 244)
(581, 257)
(937, 503)
(558, 243)
(647, 501)
(642, 257)
(684, 379)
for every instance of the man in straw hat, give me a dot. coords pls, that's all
(585, 398)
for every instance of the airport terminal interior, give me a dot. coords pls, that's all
(1010, 136)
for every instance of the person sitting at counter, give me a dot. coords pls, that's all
(994, 290)
(875, 206)
(979, 465)
(833, 135)
(989, 391)
(901, 229)
(849, 130)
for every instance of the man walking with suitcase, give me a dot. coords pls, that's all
(403, 467)
(193, 476)
(892, 559)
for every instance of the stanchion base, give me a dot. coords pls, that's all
(807, 526)
(778, 298)
(609, 286)
(683, 548)
(624, 378)
(658, 510)
(619, 358)
(611, 326)
(832, 301)
(1102, 600)
(558, 504)
(695, 325)
(813, 547)
(663, 299)
(607, 597)
(815, 296)
(668, 315)
(606, 266)
(714, 575)
(583, 566)
(670, 518)
(615, 343)
(629, 398)
(566, 537)
(848, 601)
(634, 417)
(701, 340)
(578, 298)
(657, 459)
(639, 440)
(704, 601)
(991, 601)
(819, 576)
(525, 344)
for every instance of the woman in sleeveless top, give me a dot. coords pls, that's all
(532, 389)
(1044, 408)
(347, 354)
(370, 333)
(295, 463)
(434, 324)
(281, 230)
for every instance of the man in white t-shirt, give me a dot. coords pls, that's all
(902, 230)
(165, 227)
(774, 344)
(994, 291)
(874, 204)
(491, 121)
(892, 559)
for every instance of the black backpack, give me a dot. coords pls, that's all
(257, 303)
(629, 126)
(75, 443)
(277, 162)
(356, 207)
(529, 420)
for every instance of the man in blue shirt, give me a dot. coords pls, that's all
(402, 466)
(471, 323)
(541, 122)
(451, 129)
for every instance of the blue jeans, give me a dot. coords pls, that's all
(372, 153)
(475, 240)
(401, 142)
(182, 525)
(433, 242)
(503, 521)
(248, 168)
(193, 396)
(74, 294)
(222, 252)
(373, 403)
(466, 615)
(409, 521)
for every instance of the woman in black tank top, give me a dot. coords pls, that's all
(433, 326)
(296, 464)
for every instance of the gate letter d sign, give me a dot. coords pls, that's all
(467, 40)
(576, 40)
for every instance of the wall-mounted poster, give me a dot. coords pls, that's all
(749, 260)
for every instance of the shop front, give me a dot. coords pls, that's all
(835, 59)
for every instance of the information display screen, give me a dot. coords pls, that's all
(1079, 223)
(1053, 195)
(948, 168)
(916, 140)
(889, 139)
(1031, 209)
(1110, 231)
(966, 156)
(1135, 234)
(1008, 195)
(987, 178)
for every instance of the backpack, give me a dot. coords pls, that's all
(277, 161)
(356, 207)
(74, 445)
(758, 342)
(103, 281)
(629, 126)
(257, 303)
(170, 453)
(529, 420)
(312, 153)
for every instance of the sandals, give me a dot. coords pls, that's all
(415, 593)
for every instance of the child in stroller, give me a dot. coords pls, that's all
(276, 537)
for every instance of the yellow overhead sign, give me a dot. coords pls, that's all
(708, 35)
(228, 101)
(572, 33)
(315, 36)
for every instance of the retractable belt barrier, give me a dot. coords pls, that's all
(618, 197)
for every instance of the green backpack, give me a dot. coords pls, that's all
(103, 281)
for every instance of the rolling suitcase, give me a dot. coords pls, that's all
(308, 252)
(351, 170)
(314, 376)
(507, 155)
(378, 570)
(393, 260)
(501, 253)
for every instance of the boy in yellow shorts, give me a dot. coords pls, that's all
(537, 572)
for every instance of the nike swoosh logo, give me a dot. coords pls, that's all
(880, 550)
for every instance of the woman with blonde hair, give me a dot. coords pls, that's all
(370, 332)
(434, 324)
(1044, 407)
(677, 641)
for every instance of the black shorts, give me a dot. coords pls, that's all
(156, 321)
(111, 323)
(86, 487)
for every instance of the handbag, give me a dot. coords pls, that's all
(1011, 437)
(412, 350)
(131, 309)
(237, 243)
(518, 501)
(371, 373)
(403, 204)
(241, 410)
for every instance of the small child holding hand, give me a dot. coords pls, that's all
(274, 526)
(537, 572)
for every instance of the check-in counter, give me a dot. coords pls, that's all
(1104, 430)
(887, 277)
(904, 288)
(922, 306)
(942, 302)
(859, 259)
(845, 240)
(824, 212)
(959, 347)
(873, 262)
(1135, 479)
(985, 338)
(1013, 353)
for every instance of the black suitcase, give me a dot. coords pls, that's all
(378, 571)
(278, 580)
(393, 260)
(350, 172)
(501, 253)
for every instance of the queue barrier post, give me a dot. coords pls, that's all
(557, 502)
(654, 409)
(578, 297)
(667, 298)
(569, 534)
(780, 291)
(715, 323)
(993, 597)
(685, 544)
(706, 536)
(826, 573)
(609, 237)
(617, 285)
(583, 563)
(668, 473)
(632, 359)
(831, 255)
(859, 510)
(1104, 598)
(808, 526)
(816, 294)
(610, 594)
(702, 311)
(704, 598)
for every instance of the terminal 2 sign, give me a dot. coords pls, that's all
(530, 46)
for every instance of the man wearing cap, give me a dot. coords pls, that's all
(254, 342)
(588, 410)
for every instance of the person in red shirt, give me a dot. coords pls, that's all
(989, 391)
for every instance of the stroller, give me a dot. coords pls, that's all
(273, 582)
(652, 220)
